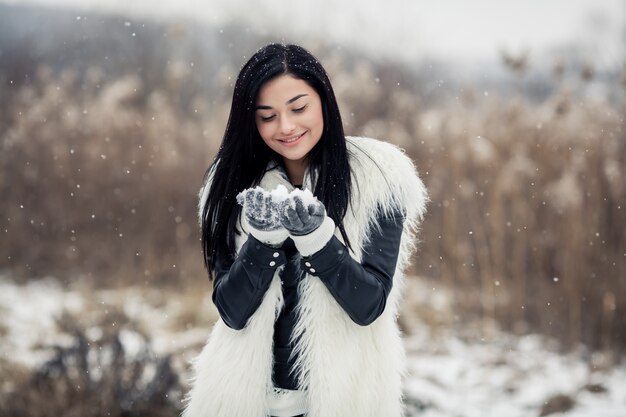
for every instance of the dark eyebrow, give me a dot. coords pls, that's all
(295, 98)
(291, 100)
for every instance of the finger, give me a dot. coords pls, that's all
(249, 199)
(273, 208)
(292, 201)
(248, 206)
(267, 206)
(294, 220)
(314, 210)
(283, 206)
(258, 199)
(303, 213)
(275, 204)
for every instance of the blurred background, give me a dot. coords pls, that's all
(110, 113)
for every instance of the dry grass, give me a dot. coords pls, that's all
(528, 216)
(98, 179)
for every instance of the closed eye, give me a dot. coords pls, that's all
(267, 119)
(300, 109)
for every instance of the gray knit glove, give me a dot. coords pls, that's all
(260, 209)
(300, 213)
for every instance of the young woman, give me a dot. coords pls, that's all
(307, 286)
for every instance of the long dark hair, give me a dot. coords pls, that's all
(243, 156)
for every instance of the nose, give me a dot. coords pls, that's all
(286, 125)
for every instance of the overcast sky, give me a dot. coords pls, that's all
(459, 29)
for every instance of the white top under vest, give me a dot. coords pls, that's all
(287, 403)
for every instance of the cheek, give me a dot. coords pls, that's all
(264, 130)
(317, 121)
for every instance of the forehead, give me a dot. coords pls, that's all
(282, 88)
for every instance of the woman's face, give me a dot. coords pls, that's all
(289, 117)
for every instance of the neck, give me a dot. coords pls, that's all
(295, 170)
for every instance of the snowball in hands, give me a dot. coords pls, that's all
(298, 211)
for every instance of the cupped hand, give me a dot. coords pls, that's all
(260, 209)
(301, 214)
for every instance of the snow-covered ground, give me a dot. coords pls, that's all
(450, 374)
(510, 376)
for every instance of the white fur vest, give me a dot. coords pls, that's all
(347, 370)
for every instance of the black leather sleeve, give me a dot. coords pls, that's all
(239, 285)
(360, 288)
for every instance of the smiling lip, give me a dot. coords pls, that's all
(291, 140)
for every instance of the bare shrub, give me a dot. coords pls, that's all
(114, 373)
